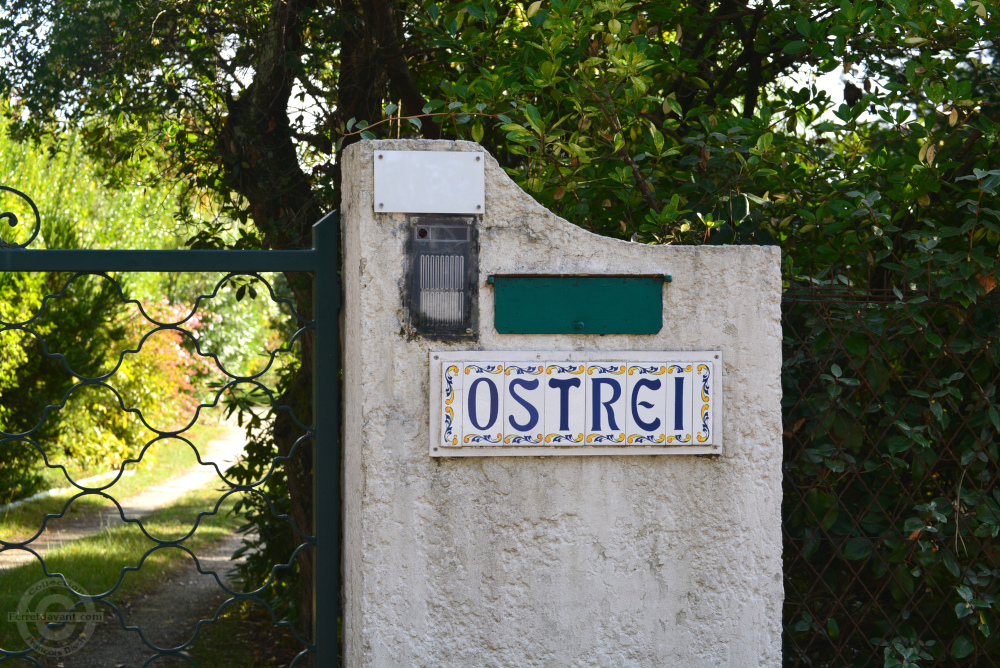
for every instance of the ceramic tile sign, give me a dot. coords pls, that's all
(575, 403)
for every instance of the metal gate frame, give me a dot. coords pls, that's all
(322, 260)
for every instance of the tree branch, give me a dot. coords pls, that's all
(383, 19)
(607, 105)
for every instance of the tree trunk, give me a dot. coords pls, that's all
(258, 150)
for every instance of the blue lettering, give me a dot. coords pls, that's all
(532, 411)
(616, 392)
(494, 404)
(653, 385)
(563, 385)
(679, 403)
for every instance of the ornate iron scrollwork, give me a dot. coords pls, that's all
(12, 219)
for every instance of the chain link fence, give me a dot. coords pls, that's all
(891, 498)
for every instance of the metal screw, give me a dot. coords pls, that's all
(478, 158)
(468, 330)
(716, 357)
(381, 205)
(578, 325)
(478, 207)
(468, 221)
(379, 156)
(437, 357)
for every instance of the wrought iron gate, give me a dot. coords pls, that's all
(322, 262)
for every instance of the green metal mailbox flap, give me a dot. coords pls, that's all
(578, 304)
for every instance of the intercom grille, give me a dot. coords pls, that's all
(442, 282)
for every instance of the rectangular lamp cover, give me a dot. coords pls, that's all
(575, 403)
(578, 304)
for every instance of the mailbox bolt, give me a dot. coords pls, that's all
(578, 325)
(668, 278)
(468, 330)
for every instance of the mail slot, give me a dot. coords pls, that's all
(541, 304)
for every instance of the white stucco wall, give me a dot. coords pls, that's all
(519, 561)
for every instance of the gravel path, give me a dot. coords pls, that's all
(222, 452)
(168, 617)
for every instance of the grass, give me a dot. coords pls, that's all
(169, 456)
(168, 459)
(244, 636)
(95, 563)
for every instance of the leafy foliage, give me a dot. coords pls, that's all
(891, 475)
(89, 325)
(661, 122)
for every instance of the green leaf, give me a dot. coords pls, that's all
(657, 140)
(795, 47)
(534, 118)
(832, 628)
(962, 647)
(802, 25)
(670, 104)
(432, 105)
(857, 549)
(477, 132)
(994, 417)
(951, 564)
(823, 506)
(740, 207)
(367, 135)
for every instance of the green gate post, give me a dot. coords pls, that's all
(326, 457)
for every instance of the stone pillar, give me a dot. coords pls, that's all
(668, 560)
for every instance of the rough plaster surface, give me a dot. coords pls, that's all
(561, 561)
